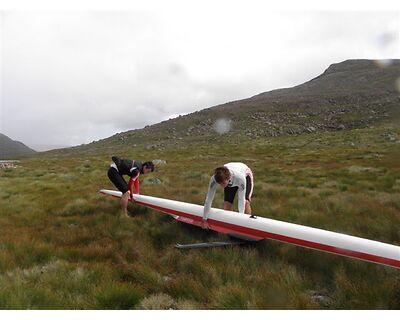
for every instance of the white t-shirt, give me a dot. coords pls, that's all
(239, 171)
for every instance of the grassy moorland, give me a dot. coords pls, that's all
(64, 246)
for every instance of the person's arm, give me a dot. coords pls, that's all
(131, 185)
(241, 193)
(134, 172)
(212, 187)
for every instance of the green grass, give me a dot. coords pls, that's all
(64, 246)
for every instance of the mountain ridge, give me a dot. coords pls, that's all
(10, 148)
(349, 94)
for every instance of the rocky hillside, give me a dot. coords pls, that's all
(350, 94)
(10, 148)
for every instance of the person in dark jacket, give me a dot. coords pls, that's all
(131, 168)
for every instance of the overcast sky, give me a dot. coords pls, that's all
(74, 77)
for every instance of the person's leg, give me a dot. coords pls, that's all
(249, 192)
(229, 196)
(122, 186)
(247, 207)
(228, 205)
(124, 202)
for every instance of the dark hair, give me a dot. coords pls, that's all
(148, 165)
(221, 174)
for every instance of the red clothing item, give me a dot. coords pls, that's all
(134, 183)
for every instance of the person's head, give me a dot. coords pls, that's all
(148, 167)
(222, 176)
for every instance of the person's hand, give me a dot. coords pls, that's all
(204, 224)
(131, 196)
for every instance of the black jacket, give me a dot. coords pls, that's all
(129, 167)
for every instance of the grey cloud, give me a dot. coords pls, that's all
(74, 77)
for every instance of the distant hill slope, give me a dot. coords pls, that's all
(350, 94)
(10, 148)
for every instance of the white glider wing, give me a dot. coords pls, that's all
(245, 226)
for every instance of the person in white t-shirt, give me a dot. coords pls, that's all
(233, 177)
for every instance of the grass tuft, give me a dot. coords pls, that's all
(118, 297)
